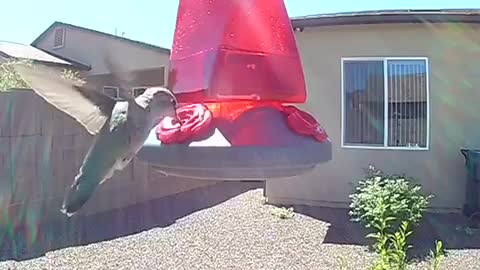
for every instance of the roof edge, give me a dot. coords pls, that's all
(69, 63)
(136, 42)
(75, 63)
(388, 16)
(52, 64)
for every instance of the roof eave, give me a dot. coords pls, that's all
(315, 21)
(77, 64)
(50, 63)
(53, 64)
(40, 37)
(139, 43)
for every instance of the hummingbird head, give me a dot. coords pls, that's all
(159, 102)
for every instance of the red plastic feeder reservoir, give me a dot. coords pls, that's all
(233, 66)
(227, 50)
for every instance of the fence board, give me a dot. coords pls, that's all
(26, 114)
(5, 183)
(47, 147)
(49, 166)
(6, 102)
(24, 168)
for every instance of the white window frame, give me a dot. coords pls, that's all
(385, 134)
(64, 32)
(138, 87)
(142, 87)
(165, 75)
(165, 81)
(112, 87)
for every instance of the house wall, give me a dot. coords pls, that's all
(138, 78)
(41, 151)
(91, 48)
(452, 50)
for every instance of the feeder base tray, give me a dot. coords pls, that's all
(257, 146)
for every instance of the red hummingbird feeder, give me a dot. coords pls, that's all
(234, 63)
(235, 50)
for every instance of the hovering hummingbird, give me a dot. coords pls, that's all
(119, 127)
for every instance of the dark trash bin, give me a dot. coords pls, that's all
(472, 164)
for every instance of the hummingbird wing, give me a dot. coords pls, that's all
(99, 165)
(110, 151)
(120, 77)
(89, 107)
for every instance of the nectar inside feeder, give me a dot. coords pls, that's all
(233, 65)
(231, 50)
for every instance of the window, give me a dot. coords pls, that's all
(137, 91)
(385, 103)
(111, 91)
(59, 38)
(161, 80)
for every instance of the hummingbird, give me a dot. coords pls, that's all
(119, 126)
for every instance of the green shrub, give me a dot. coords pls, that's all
(437, 255)
(73, 75)
(392, 248)
(385, 201)
(388, 206)
(283, 212)
(9, 78)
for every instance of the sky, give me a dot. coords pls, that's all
(153, 21)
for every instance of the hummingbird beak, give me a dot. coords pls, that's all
(175, 116)
(175, 108)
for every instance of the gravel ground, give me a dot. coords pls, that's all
(241, 233)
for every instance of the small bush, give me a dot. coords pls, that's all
(9, 78)
(73, 75)
(283, 213)
(385, 201)
(437, 255)
(392, 248)
(388, 206)
(342, 263)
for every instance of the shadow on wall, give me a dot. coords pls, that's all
(118, 223)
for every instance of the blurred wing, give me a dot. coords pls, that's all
(120, 77)
(89, 107)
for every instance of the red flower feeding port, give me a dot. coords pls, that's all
(234, 64)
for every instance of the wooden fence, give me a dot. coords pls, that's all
(41, 150)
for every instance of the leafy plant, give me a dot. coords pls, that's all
(392, 248)
(9, 78)
(437, 255)
(283, 213)
(342, 263)
(388, 206)
(385, 201)
(72, 75)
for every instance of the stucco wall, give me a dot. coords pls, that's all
(453, 52)
(91, 48)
